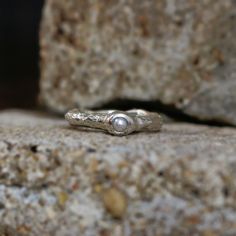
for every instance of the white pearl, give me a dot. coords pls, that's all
(120, 124)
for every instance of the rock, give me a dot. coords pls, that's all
(181, 53)
(56, 180)
(115, 202)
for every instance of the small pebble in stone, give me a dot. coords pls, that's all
(62, 198)
(115, 202)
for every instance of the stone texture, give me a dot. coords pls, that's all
(181, 53)
(55, 180)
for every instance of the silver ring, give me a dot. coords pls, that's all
(116, 122)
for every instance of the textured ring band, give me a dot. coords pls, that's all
(116, 122)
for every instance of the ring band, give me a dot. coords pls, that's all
(116, 122)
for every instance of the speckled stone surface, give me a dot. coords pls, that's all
(55, 180)
(181, 53)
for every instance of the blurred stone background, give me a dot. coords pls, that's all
(179, 57)
(178, 53)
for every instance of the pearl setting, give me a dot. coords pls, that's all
(120, 124)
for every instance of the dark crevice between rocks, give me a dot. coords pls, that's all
(33, 148)
(168, 110)
(19, 186)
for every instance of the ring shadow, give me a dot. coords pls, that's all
(94, 130)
